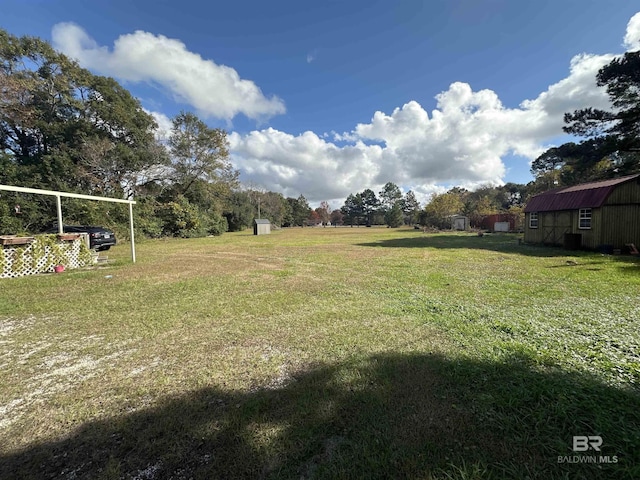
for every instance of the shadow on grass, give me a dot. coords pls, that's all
(506, 243)
(386, 416)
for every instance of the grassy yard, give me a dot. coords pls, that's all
(323, 353)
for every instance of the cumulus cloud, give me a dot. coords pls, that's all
(306, 163)
(632, 36)
(461, 142)
(577, 90)
(214, 90)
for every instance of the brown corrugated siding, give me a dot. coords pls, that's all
(549, 202)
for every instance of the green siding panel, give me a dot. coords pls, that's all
(617, 223)
(627, 193)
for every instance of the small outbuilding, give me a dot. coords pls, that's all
(459, 222)
(500, 222)
(598, 215)
(261, 226)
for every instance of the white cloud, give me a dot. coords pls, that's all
(214, 90)
(451, 146)
(577, 90)
(470, 132)
(632, 35)
(462, 142)
(312, 55)
(306, 164)
(165, 125)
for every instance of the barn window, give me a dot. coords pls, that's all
(584, 221)
(533, 220)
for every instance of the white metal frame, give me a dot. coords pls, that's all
(58, 195)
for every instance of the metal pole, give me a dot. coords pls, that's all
(133, 243)
(59, 205)
(58, 196)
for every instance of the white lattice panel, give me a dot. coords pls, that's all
(19, 261)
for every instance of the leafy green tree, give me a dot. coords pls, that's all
(389, 196)
(299, 211)
(180, 218)
(63, 128)
(66, 128)
(518, 212)
(202, 175)
(512, 195)
(612, 137)
(391, 204)
(370, 205)
(273, 206)
(302, 211)
(118, 142)
(483, 201)
(198, 153)
(147, 222)
(551, 160)
(410, 207)
(336, 217)
(484, 206)
(238, 211)
(353, 209)
(579, 162)
(621, 78)
(394, 216)
(10, 222)
(441, 207)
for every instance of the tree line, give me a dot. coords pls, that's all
(64, 128)
(394, 209)
(610, 147)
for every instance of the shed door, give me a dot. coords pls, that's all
(555, 225)
(501, 227)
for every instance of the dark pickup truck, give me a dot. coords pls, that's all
(100, 238)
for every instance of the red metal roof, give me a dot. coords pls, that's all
(586, 195)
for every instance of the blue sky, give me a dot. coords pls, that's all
(330, 98)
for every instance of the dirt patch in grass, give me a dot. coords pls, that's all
(39, 369)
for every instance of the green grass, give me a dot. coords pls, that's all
(323, 353)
